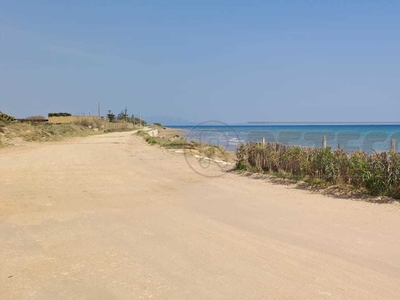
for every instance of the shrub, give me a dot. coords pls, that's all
(110, 116)
(6, 118)
(378, 173)
(142, 133)
(59, 115)
(242, 160)
(151, 140)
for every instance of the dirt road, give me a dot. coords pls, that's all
(109, 217)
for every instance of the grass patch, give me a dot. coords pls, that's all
(176, 142)
(171, 143)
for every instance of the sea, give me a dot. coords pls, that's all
(350, 137)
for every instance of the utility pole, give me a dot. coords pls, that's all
(98, 109)
(140, 120)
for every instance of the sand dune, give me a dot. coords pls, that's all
(109, 217)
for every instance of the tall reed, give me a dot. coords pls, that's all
(378, 173)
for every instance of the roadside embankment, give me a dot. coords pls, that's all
(13, 134)
(171, 138)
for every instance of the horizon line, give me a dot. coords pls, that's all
(322, 123)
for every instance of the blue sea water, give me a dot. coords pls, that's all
(369, 138)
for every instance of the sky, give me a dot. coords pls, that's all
(176, 61)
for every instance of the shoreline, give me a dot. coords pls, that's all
(317, 184)
(350, 137)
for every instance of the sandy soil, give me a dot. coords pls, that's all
(109, 217)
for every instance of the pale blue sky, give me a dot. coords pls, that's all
(233, 61)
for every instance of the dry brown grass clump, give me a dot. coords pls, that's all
(41, 132)
(92, 122)
(34, 118)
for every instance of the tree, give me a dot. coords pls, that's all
(110, 116)
(123, 115)
(61, 114)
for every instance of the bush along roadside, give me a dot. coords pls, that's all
(193, 147)
(377, 174)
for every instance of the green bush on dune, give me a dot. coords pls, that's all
(163, 141)
(61, 114)
(6, 118)
(210, 151)
(151, 140)
(378, 174)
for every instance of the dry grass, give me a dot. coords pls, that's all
(90, 121)
(40, 132)
(14, 133)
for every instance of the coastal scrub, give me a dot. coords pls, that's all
(377, 174)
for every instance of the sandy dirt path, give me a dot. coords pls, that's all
(109, 217)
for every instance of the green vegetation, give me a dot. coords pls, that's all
(59, 115)
(193, 147)
(170, 143)
(124, 116)
(376, 174)
(137, 121)
(110, 116)
(6, 118)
